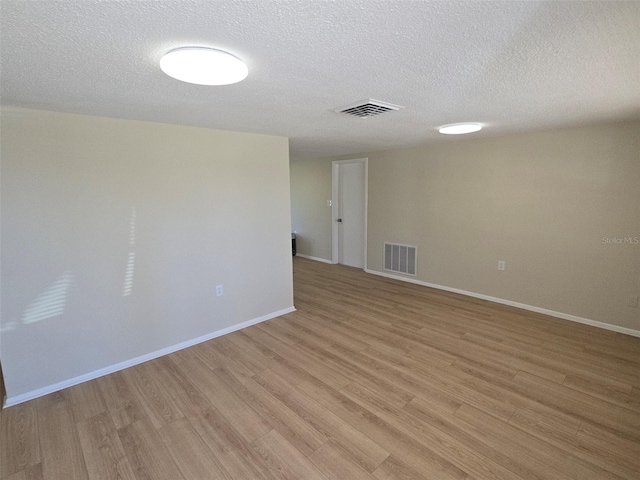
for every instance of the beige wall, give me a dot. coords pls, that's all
(208, 208)
(542, 202)
(310, 214)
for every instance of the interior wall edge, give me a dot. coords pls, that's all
(315, 259)
(511, 303)
(40, 392)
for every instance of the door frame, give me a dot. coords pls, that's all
(335, 207)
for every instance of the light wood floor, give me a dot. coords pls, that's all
(370, 378)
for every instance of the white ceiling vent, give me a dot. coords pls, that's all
(367, 108)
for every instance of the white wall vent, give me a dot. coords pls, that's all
(367, 108)
(400, 258)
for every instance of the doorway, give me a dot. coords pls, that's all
(349, 201)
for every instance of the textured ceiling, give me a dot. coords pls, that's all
(514, 66)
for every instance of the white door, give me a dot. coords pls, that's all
(351, 213)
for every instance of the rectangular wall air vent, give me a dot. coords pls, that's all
(367, 108)
(400, 258)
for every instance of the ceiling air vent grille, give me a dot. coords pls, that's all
(367, 108)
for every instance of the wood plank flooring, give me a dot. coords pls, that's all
(371, 378)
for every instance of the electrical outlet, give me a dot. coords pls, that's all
(501, 265)
(328, 203)
(219, 291)
(633, 301)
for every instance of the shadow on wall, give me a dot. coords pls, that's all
(53, 299)
(127, 286)
(50, 303)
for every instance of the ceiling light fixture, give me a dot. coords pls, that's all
(460, 128)
(203, 66)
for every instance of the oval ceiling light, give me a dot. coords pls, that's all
(460, 128)
(203, 66)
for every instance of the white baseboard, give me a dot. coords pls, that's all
(10, 401)
(531, 308)
(317, 259)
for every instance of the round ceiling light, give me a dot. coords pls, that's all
(460, 128)
(203, 66)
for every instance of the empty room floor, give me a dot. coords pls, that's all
(370, 378)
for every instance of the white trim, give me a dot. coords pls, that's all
(317, 259)
(366, 209)
(10, 401)
(335, 240)
(531, 308)
(335, 205)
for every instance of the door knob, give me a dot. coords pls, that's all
(339, 220)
